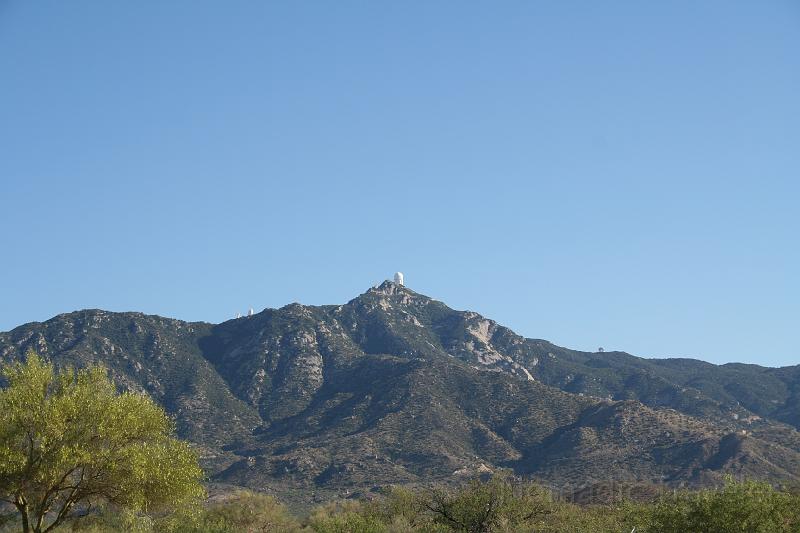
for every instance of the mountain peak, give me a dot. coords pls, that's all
(389, 288)
(390, 292)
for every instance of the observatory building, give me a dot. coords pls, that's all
(398, 278)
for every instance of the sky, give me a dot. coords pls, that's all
(622, 174)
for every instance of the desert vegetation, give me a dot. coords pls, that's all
(495, 505)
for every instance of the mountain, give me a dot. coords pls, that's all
(395, 387)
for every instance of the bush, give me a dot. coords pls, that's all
(750, 506)
(345, 517)
(496, 505)
(244, 512)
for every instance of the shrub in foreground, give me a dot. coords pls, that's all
(749, 506)
(500, 505)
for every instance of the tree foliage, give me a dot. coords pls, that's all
(69, 441)
(747, 507)
(243, 511)
(498, 504)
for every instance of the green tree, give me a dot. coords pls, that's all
(69, 441)
(497, 505)
(344, 517)
(747, 507)
(401, 507)
(241, 512)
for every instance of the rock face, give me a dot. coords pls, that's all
(395, 387)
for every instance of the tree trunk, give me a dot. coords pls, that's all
(23, 511)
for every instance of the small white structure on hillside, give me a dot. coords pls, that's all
(250, 312)
(398, 278)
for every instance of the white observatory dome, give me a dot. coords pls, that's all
(398, 278)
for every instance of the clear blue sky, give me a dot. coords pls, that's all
(616, 174)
